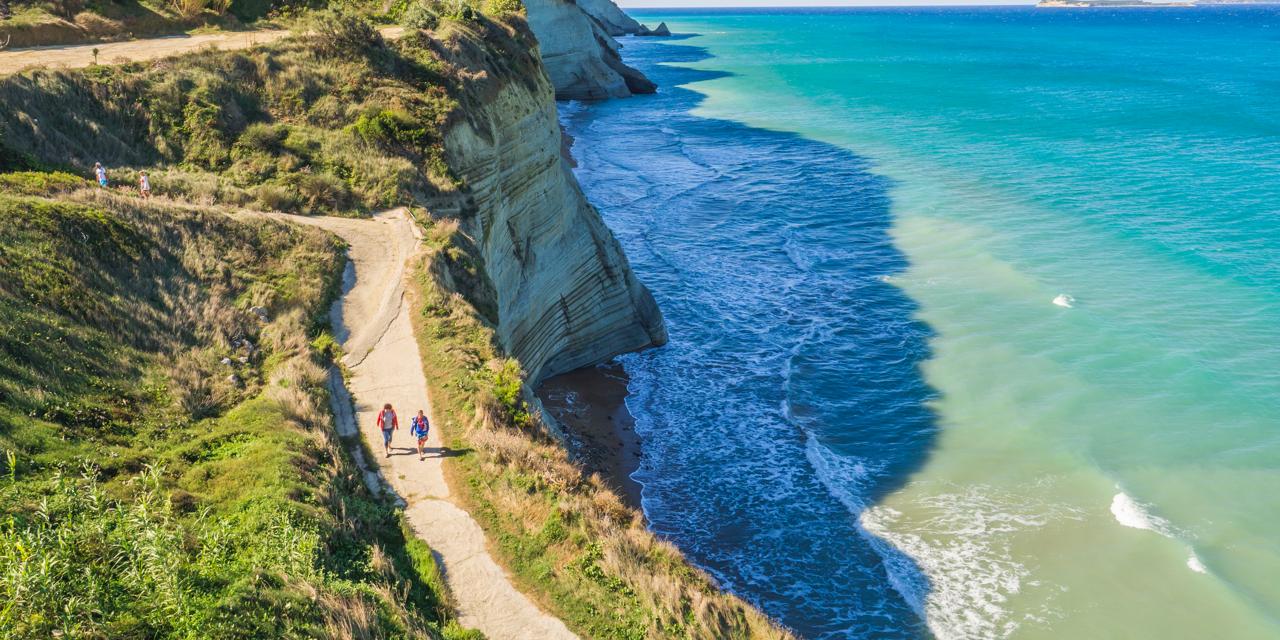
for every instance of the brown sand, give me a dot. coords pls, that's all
(591, 404)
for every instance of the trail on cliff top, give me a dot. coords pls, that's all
(82, 55)
(372, 321)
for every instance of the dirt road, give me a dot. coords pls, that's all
(81, 55)
(372, 321)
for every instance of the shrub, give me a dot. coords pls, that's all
(263, 137)
(343, 34)
(38, 183)
(392, 128)
(193, 8)
(505, 7)
(420, 15)
(324, 193)
(273, 197)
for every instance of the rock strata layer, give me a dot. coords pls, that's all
(579, 52)
(564, 292)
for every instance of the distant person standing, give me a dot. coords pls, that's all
(388, 423)
(419, 429)
(101, 174)
(144, 185)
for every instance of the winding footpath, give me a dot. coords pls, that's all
(81, 55)
(382, 358)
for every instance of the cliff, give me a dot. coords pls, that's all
(564, 293)
(609, 16)
(579, 52)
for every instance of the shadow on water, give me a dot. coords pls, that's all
(790, 399)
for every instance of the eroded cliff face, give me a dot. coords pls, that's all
(579, 52)
(565, 294)
(614, 21)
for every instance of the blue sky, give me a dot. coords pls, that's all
(633, 4)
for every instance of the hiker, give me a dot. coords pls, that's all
(419, 429)
(388, 423)
(144, 185)
(101, 174)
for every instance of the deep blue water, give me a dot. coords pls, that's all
(873, 420)
(767, 253)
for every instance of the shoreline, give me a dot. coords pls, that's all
(591, 405)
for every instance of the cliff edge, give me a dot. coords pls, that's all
(579, 52)
(564, 293)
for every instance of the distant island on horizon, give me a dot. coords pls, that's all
(1144, 3)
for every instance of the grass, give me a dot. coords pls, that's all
(126, 514)
(336, 122)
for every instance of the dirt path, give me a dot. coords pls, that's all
(81, 55)
(372, 321)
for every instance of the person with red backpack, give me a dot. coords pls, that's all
(388, 423)
(419, 429)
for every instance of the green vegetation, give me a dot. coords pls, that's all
(170, 467)
(156, 423)
(565, 535)
(339, 121)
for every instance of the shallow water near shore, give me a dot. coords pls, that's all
(876, 417)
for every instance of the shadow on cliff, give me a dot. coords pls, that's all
(763, 203)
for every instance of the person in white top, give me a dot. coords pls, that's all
(388, 423)
(144, 185)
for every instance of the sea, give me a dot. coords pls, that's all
(974, 313)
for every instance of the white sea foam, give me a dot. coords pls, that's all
(1194, 564)
(962, 541)
(1064, 300)
(951, 559)
(1131, 513)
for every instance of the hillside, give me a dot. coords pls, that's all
(170, 466)
(520, 280)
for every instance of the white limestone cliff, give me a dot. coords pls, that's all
(565, 294)
(579, 52)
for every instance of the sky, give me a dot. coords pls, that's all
(636, 4)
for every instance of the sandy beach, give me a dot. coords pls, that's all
(591, 404)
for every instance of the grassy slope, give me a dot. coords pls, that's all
(144, 493)
(317, 126)
(338, 124)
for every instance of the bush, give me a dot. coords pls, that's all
(38, 183)
(505, 7)
(193, 8)
(273, 197)
(390, 128)
(324, 193)
(263, 138)
(420, 15)
(344, 34)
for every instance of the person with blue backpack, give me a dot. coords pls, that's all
(419, 429)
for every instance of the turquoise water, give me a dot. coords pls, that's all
(974, 314)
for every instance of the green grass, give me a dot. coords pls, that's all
(126, 514)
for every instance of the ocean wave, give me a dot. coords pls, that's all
(1137, 515)
(962, 542)
(1131, 513)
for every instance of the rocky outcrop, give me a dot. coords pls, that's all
(565, 294)
(662, 30)
(580, 55)
(614, 21)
